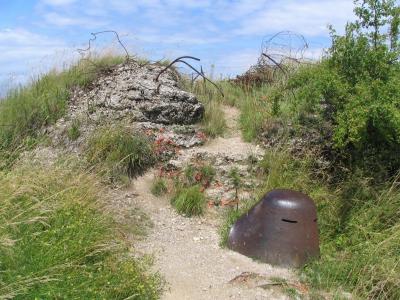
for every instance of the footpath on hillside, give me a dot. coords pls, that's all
(186, 250)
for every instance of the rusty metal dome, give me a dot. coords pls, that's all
(281, 229)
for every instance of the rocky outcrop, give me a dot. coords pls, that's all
(130, 90)
(130, 95)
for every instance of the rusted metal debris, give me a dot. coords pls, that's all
(281, 229)
(278, 53)
(95, 34)
(199, 73)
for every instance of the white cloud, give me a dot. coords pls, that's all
(307, 17)
(63, 21)
(24, 53)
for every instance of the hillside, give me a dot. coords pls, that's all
(120, 178)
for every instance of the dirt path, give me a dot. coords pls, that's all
(187, 251)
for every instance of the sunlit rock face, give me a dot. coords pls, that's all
(131, 90)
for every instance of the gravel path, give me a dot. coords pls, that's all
(187, 251)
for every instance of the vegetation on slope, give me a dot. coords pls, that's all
(28, 109)
(213, 122)
(120, 152)
(346, 109)
(56, 238)
(56, 241)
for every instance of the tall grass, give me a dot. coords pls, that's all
(213, 122)
(359, 226)
(189, 201)
(363, 255)
(120, 152)
(57, 242)
(27, 109)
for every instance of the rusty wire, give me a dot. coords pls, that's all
(278, 53)
(94, 34)
(199, 73)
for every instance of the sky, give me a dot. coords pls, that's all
(36, 35)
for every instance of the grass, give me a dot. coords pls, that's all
(207, 173)
(27, 109)
(73, 131)
(214, 123)
(198, 174)
(255, 105)
(231, 216)
(120, 152)
(363, 254)
(57, 242)
(189, 201)
(359, 226)
(159, 187)
(357, 214)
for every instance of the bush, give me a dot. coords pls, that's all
(356, 89)
(189, 201)
(56, 241)
(159, 187)
(120, 151)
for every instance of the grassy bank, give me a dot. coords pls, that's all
(333, 132)
(56, 241)
(118, 153)
(359, 226)
(28, 109)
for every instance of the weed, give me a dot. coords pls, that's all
(159, 186)
(206, 174)
(234, 176)
(73, 131)
(189, 201)
(120, 152)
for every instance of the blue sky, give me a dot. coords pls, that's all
(38, 34)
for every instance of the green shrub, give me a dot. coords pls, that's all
(189, 201)
(159, 187)
(120, 151)
(356, 89)
(56, 241)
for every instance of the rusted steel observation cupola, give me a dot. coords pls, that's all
(281, 229)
